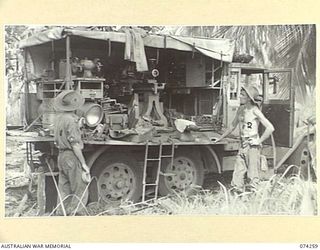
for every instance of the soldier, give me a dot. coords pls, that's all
(248, 118)
(74, 174)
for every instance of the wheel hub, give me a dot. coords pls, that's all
(116, 182)
(120, 184)
(183, 174)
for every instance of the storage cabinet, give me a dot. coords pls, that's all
(89, 88)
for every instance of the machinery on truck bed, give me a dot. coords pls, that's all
(154, 106)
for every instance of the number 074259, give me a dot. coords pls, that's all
(309, 246)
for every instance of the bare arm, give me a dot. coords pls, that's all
(234, 124)
(266, 123)
(227, 132)
(74, 137)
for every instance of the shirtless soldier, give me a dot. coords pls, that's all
(248, 118)
(73, 170)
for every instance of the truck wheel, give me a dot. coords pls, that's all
(187, 171)
(118, 178)
(300, 159)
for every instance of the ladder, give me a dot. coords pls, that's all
(159, 161)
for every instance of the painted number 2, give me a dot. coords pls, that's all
(249, 125)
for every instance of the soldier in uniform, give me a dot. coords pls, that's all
(248, 118)
(74, 173)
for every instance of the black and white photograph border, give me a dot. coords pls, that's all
(160, 120)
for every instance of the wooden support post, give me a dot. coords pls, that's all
(26, 89)
(109, 47)
(193, 49)
(41, 194)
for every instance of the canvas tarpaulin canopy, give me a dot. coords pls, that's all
(219, 49)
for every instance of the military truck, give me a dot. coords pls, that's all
(154, 106)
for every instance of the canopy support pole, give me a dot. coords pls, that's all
(53, 56)
(26, 89)
(68, 79)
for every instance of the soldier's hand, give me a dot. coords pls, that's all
(86, 177)
(246, 143)
(81, 122)
(254, 142)
(86, 168)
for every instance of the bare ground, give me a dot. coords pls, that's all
(17, 179)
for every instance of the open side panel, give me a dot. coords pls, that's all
(232, 94)
(278, 105)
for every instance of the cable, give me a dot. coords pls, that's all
(274, 152)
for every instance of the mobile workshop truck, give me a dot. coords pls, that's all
(140, 89)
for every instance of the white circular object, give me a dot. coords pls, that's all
(155, 73)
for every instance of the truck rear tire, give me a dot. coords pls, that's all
(187, 171)
(118, 178)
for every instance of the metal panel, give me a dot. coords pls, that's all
(233, 97)
(279, 115)
(279, 110)
(195, 72)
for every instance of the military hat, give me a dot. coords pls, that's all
(68, 100)
(252, 92)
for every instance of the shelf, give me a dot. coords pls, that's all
(56, 90)
(53, 81)
(57, 81)
(89, 79)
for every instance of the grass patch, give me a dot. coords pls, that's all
(277, 196)
(280, 195)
